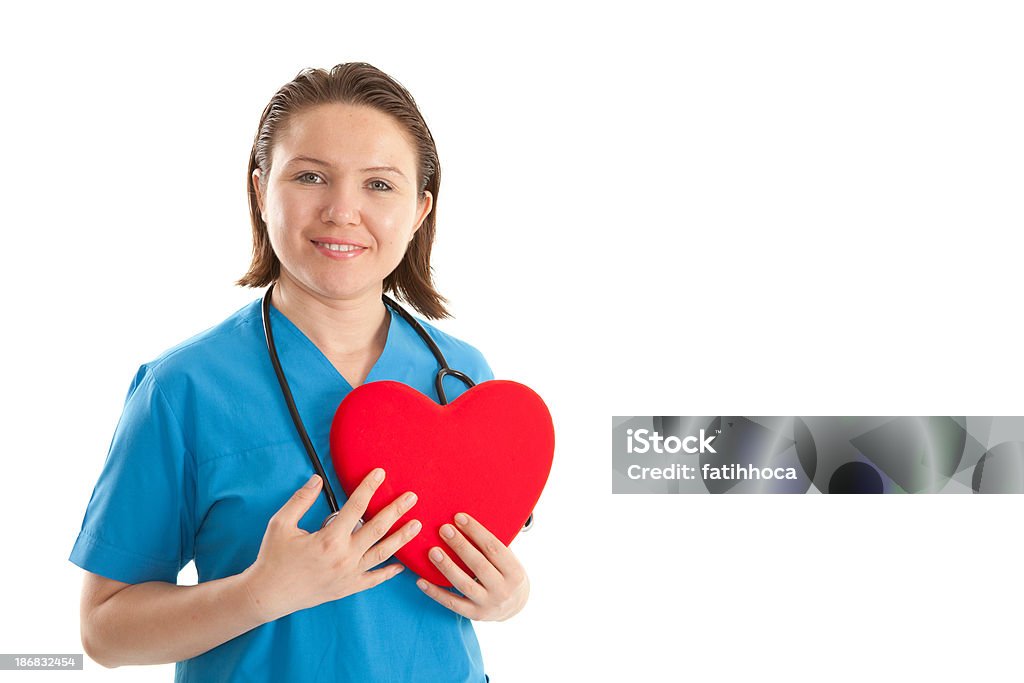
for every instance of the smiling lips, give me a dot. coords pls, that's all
(339, 250)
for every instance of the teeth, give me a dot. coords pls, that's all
(339, 247)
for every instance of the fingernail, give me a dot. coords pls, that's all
(422, 584)
(378, 475)
(409, 499)
(436, 555)
(313, 482)
(398, 569)
(461, 518)
(447, 531)
(415, 526)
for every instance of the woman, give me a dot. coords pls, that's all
(205, 463)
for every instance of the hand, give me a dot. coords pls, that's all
(296, 569)
(501, 586)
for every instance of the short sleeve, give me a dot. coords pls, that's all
(140, 524)
(481, 371)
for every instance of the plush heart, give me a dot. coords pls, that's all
(487, 453)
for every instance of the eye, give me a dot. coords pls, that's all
(310, 178)
(380, 186)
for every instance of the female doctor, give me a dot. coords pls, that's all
(206, 464)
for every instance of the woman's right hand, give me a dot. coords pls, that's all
(296, 569)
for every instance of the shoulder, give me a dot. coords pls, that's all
(211, 354)
(460, 354)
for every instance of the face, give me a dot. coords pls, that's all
(341, 202)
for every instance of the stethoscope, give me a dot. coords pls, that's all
(443, 371)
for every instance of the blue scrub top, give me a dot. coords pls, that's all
(206, 452)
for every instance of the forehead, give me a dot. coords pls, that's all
(344, 134)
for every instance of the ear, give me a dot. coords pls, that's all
(258, 189)
(426, 203)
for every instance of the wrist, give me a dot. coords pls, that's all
(257, 596)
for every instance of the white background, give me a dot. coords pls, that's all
(725, 208)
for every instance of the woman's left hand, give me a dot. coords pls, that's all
(501, 586)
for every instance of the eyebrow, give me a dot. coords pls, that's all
(321, 162)
(384, 169)
(308, 160)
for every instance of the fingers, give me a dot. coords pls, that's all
(378, 526)
(379, 576)
(456, 576)
(481, 567)
(382, 551)
(448, 599)
(502, 589)
(290, 513)
(355, 506)
(496, 552)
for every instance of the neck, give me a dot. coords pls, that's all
(340, 328)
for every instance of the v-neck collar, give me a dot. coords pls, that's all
(377, 371)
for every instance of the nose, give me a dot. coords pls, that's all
(341, 205)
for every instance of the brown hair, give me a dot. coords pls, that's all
(354, 83)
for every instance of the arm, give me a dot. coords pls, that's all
(157, 622)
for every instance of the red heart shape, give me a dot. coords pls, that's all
(487, 453)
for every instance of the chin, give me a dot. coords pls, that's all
(336, 292)
(337, 286)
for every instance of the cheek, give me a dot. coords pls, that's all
(397, 226)
(282, 215)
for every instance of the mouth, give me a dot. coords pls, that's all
(338, 248)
